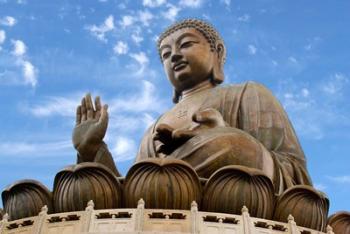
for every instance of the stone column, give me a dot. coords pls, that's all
(88, 217)
(139, 215)
(248, 226)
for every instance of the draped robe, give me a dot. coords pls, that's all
(251, 108)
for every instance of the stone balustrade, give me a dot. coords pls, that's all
(141, 220)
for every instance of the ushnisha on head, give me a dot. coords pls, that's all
(198, 46)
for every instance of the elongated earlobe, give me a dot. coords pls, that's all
(218, 68)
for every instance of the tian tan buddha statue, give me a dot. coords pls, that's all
(221, 146)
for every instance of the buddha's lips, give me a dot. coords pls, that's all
(179, 66)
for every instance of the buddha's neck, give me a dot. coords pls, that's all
(207, 84)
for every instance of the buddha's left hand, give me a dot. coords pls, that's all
(203, 119)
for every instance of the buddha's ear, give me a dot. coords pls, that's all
(218, 68)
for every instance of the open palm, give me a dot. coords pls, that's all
(91, 126)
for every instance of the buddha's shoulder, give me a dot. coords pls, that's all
(245, 88)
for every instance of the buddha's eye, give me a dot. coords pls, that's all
(187, 44)
(166, 55)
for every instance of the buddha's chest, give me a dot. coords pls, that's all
(180, 116)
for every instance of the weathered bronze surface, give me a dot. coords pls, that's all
(340, 222)
(308, 206)
(160, 182)
(232, 187)
(25, 198)
(75, 185)
(237, 138)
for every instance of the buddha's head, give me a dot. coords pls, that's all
(192, 52)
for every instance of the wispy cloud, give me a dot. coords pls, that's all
(153, 3)
(252, 49)
(143, 101)
(320, 186)
(29, 71)
(127, 20)
(345, 179)
(100, 31)
(124, 148)
(244, 18)
(171, 13)
(2, 36)
(335, 84)
(8, 21)
(34, 150)
(19, 48)
(226, 2)
(145, 17)
(55, 106)
(191, 3)
(142, 59)
(121, 48)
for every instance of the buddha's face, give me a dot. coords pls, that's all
(187, 58)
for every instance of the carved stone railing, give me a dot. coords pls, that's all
(141, 220)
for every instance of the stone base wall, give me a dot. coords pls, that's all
(142, 221)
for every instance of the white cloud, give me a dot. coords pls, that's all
(127, 20)
(29, 73)
(226, 2)
(320, 186)
(124, 149)
(153, 3)
(171, 13)
(29, 149)
(142, 59)
(136, 38)
(121, 48)
(244, 18)
(146, 100)
(60, 106)
(335, 84)
(252, 49)
(100, 31)
(145, 17)
(2, 36)
(292, 59)
(340, 179)
(191, 3)
(19, 48)
(8, 21)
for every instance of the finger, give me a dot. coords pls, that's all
(89, 106)
(160, 148)
(180, 134)
(164, 129)
(209, 116)
(104, 116)
(78, 115)
(83, 110)
(98, 107)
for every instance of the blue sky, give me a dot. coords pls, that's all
(53, 52)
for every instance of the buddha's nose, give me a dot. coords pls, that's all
(176, 57)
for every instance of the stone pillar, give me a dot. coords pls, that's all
(38, 225)
(194, 218)
(248, 226)
(87, 216)
(3, 222)
(329, 230)
(292, 226)
(139, 215)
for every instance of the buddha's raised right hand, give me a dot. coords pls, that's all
(90, 128)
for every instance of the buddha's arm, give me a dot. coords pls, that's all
(102, 156)
(89, 131)
(263, 117)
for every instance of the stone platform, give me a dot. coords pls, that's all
(141, 220)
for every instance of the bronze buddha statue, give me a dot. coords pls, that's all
(210, 126)
(223, 146)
